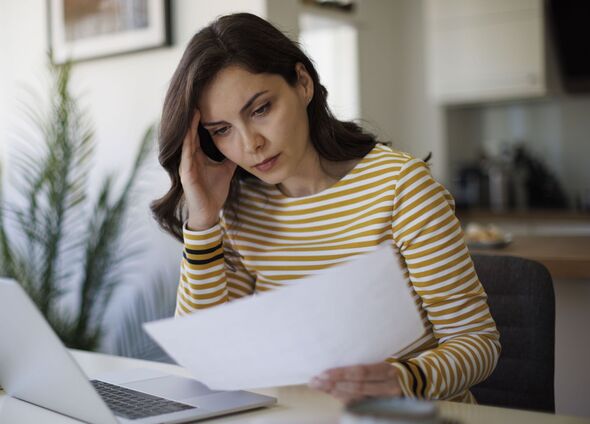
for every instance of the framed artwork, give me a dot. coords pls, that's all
(341, 5)
(88, 29)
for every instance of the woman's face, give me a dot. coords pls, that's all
(259, 122)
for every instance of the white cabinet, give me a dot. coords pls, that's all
(485, 50)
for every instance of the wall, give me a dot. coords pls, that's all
(572, 347)
(379, 86)
(393, 80)
(421, 119)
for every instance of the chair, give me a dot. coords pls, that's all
(521, 299)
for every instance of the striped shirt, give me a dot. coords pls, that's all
(388, 197)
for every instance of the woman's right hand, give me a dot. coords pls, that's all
(204, 181)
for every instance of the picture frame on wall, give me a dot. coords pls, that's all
(90, 29)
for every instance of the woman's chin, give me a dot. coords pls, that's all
(271, 178)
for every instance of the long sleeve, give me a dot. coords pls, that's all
(431, 243)
(209, 273)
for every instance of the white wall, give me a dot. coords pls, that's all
(379, 30)
(421, 119)
(572, 347)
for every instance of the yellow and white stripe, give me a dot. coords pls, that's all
(389, 197)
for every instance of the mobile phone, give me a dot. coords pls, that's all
(208, 146)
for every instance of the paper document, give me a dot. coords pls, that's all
(358, 312)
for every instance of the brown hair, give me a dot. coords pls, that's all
(251, 42)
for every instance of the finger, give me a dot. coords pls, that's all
(370, 372)
(353, 389)
(368, 388)
(194, 133)
(185, 156)
(321, 384)
(189, 137)
(190, 143)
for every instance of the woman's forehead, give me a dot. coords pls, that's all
(231, 89)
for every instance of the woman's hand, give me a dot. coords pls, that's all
(350, 384)
(205, 182)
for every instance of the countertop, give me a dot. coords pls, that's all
(539, 215)
(566, 257)
(559, 239)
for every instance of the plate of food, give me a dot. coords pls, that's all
(488, 236)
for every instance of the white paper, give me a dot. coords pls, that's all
(358, 312)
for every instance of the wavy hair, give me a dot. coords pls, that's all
(256, 45)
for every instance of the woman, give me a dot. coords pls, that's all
(301, 191)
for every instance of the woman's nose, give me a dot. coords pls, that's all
(253, 141)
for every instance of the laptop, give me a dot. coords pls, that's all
(37, 368)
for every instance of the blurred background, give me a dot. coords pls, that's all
(498, 91)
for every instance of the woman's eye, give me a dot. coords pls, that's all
(262, 109)
(221, 131)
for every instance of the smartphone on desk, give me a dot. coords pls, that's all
(208, 146)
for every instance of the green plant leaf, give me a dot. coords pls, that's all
(53, 227)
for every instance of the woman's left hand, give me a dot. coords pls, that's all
(350, 384)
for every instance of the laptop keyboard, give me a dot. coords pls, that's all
(132, 404)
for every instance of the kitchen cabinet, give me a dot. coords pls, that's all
(482, 50)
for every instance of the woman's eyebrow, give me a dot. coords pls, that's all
(246, 106)
(252, 99)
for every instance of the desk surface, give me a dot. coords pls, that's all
(296, 404)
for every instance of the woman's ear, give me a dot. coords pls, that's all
(304, 82)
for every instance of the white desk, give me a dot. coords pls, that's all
(296, 404)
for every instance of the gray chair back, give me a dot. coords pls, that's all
(522, 301)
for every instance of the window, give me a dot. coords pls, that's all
(333, 47)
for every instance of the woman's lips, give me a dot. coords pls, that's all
(267, 164)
